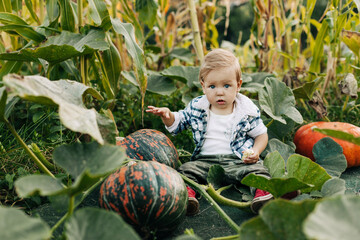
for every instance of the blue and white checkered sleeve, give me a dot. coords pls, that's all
(182, 120)
(257, 126)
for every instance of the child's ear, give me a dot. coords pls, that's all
(239, 84)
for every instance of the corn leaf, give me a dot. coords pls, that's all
(67, 16)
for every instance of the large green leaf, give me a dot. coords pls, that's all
(185, 74)
(335, 218)
(100, 14)
(98, 160)
(254, 82)
(87, 163)
(15, 224)
(276, 186)
(43, 185)
(276, 164)
(334, 186)
(68, 95)
(284, 149)
(147, 10)
(307, 90)
(280, 220)
(329, 154)
(278, 101)
(94, 223)
(307, 171)
(65, 46)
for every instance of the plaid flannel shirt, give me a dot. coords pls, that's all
(247, 123)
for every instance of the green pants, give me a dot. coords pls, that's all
(235, 169)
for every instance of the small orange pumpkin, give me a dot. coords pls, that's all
(305, 139)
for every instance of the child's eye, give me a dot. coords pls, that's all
(212, 86)
(226, 86)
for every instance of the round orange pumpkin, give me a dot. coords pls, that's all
(305, 139)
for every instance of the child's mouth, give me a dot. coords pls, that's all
(221, 102)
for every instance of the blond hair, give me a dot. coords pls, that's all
(217, 59)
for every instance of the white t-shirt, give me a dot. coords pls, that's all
(218, 134)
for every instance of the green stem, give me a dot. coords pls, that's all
(345, 103)
(232, 237)
(212, 202)
(225, 201)
(271, 122)
(41, 157)
(79, 12)
(27, 150)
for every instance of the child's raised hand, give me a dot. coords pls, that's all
(162, 112)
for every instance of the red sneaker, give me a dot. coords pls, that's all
(193, 204)
(261, 197)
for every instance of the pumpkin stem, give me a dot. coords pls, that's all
(202, 190)
(225, 201)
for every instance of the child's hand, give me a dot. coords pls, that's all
(162, 112)
(249, 156)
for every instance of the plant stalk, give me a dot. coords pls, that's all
(225, 201)
(212, 202)
(196, 31)
(27, 150)
(37, 152)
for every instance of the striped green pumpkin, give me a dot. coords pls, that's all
(148, 195)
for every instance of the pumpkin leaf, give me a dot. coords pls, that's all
(329, 154)
(277, 100)
(276, 186)
(339, 134)
(334, 186)
(82, 162)
(43, 185)
(68, 95)
(278, 219)
(88, 223)
(307, 171)
(307, 90)
(78, 158)
(156, 83)
(279, 130)
(185, 74)
(334, 218)
(276, 164)
(253, 82)
(19, 225)
(216, 175)
(284, 149)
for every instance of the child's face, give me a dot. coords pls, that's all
(220, 88)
